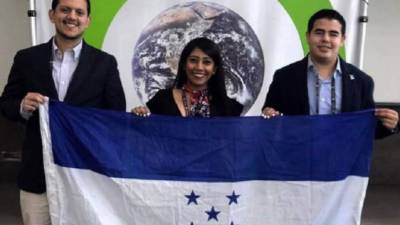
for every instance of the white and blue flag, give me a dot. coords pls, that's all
(113, 168)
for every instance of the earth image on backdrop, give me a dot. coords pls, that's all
(157, 51)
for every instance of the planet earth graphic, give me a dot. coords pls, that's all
(157, 51)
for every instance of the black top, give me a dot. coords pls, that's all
(163, 103)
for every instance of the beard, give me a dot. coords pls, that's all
(69, 37)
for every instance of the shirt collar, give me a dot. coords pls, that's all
(76, 51)
(311, 66)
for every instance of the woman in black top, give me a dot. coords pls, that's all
(199, 88)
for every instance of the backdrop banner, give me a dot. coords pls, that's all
(256, 37)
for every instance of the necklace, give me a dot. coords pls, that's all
(198, 100)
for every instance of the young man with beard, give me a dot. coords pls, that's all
(64, 69)
(322, 82)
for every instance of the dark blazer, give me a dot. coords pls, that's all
(163, 103)
(95, 83)
(288, 91)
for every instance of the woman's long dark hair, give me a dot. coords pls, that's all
(216, 84)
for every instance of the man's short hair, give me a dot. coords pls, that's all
(327, 14)
(54, 4)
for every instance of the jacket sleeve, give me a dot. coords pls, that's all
(14, 91)
(273, 95)
(369, 103)
(114, 92)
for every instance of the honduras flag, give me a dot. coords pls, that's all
(113, 168)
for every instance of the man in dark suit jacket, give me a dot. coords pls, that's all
(323, 83)
(65, 69)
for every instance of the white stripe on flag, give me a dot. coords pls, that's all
(106, 200)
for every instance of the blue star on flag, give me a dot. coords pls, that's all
(212, 214)
(233, 198)
(192, 198)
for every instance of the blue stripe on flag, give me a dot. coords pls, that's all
(296, 148)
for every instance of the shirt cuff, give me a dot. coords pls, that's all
(25, 115)
(396, 129)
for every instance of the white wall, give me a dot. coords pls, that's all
(14, 26)
(382, 49)
(381, 58)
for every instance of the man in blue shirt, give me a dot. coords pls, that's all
(322, 82)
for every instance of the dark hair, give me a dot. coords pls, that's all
(327, 14)
(216, 84)
(54, 4)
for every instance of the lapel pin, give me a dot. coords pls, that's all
(352, 77)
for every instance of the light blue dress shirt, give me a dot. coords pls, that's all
(324, 101)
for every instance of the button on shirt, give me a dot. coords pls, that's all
(64, 66)
(325, 99)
